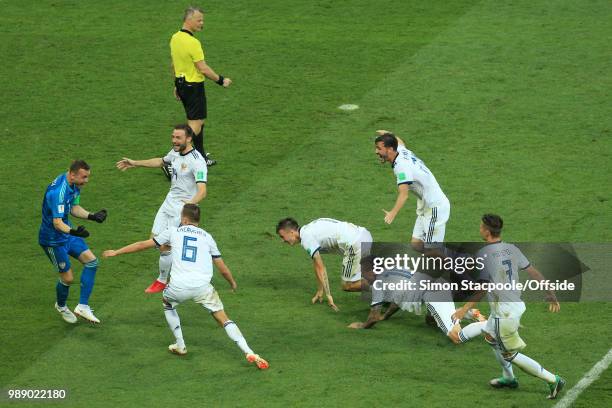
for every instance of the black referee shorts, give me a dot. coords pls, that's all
(193, 96)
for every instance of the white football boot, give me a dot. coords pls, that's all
(85, 312)
(67, 315)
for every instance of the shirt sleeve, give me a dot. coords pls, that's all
(403, 173)
(169, 157)
(197, 53)
(378, 295)
(214, 250)
(310, 244)
(163, 238)
(523, 262)
(57, 208)
(200, 171)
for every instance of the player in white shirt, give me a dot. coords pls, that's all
(188, 185)
(392, 286)
(502, 263)
(433, 207)
(326, 235)
(193, 252)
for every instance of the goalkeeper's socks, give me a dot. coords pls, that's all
(165, 264)
(61, 290)
(88, 277)
(532, 367)
(233, 332)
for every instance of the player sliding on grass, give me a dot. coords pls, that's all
(328, 235)
(501, 266)
(193, 252)
(391, 286)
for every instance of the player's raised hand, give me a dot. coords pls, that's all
(389, 216)
(109, 253)
(318, 297)
(98, 217)
(226, 82)
(125, 164)
(330, 302)
(356, 325)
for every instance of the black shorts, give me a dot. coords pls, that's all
(193, 96)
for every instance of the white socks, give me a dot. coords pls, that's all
(165, 264)
(534, 368)
(471, 330)
(174, 323)
(506, 365)
(233, 332)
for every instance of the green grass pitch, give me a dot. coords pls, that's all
(507, 102)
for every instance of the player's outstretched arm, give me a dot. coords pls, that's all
(323, 281)
(128, 249)
(472, 301)
(225, 272)
(80, 212)
(126, 163)
(553, 303)
(402, 196)
(393, 308)
(373, 317)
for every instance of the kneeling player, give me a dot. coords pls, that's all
(392, 286)
(502, 262)
(325, 235)
(193, 252)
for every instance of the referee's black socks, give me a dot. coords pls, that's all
(198, 142)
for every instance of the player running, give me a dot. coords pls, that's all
(326, 235)
(188, 185)
(60, 240)
(433, 207)
(392, 286)
(502, 264)
(193, 252)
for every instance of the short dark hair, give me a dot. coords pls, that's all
(78, 165)
(388, 140)
(493, 223)
(287, 223)
(187, 129)
(191, 211)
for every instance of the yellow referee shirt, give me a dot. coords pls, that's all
(185, 49)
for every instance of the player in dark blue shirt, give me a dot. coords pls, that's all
(60, 240)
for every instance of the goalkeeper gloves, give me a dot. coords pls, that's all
(79, 232)
(98, 217)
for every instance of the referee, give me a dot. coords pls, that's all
(189, 71)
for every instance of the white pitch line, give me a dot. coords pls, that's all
(587, 380)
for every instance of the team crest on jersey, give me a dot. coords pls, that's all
(184, 166)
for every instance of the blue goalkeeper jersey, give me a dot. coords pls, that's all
(57, 203)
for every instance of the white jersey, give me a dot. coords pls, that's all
(411, 170)
(502, 263)
(188, 169)
(328, 235)
(192, 252)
